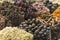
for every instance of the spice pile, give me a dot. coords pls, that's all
(37, 28)
(12, 13)
(56, 14)
(37, 18)
(14, 33)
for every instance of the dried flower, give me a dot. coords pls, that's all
(42, 11)
(56, 14)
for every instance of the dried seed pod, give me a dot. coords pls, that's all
(36, 27)
(12, 12)
(26, 7)
(55, 28)
(55, 32)
(50, 5)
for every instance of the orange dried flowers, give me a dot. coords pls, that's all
(56, 13)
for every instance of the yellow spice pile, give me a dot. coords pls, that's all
(13, 33)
